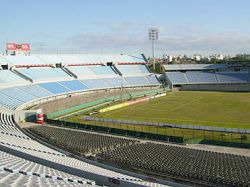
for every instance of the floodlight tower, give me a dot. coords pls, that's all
(153, 35)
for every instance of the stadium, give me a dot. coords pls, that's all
(107, 120)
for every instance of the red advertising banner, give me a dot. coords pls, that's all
(26, 47)
(17, 47)
(11, 46)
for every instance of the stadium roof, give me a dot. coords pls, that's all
(173, 67)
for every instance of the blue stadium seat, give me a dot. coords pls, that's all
(132, 69)
(43, 73)
(18, 94)
(137, 81)
(6, 76)
(201, 77)
(176, 77)
(74, 85)
(81, 71)
(102, 70)
(116, 82)
(95, 83)
(54, 87)
(35, 90)
(153, 80)
(233, 77)
(8, 102)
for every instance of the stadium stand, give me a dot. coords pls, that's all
(152, 79)
(95, 83)
(10, 178)
(206, 167)
(36, 90)
(21, 155)
(8, 77)
(8, 102)
(32, 174)
(137, 81)
(41, 73)
(74, 85)
(55, 87)
(116, 82)
(233, 77)
(200, 77)
(81, 71)
(177, 77)
(25, 145)
(79, 141)
(17, 60)
(24, 161)
(132, 69)
(217, 169)
(48, 81)
(17, 94)
(91, 71)
(192, 67)
(102, 70)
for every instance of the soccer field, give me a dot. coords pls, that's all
(222, 109)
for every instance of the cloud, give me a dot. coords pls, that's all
(132, 37)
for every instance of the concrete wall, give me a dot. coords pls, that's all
(218, 87)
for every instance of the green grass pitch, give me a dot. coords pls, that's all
(221, 109)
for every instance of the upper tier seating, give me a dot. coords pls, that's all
(18, 94)
(35, 90)
(55, 87)
(81, 71)
(177, 77)
(43, 73)
(13, 97)
(116, 82)
(6, 76)
(91, 71)
(74, 85)
(132, 69)
(201, 77)
(137, 81)
(19, 170)
(233, 77)
(102, 70)
(24, 60)
(38, 79)
(153, 80)
(8, 102)
(95, 83)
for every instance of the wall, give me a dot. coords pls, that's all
(218, 87)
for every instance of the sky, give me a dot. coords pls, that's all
(121, 26)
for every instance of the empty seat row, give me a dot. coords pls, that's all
(200, 77)
(79, 141)
(219, 169)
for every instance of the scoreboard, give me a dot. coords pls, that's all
(14, 48)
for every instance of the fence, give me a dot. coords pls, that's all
(161, 133)
(182, 126)
(117, 131)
